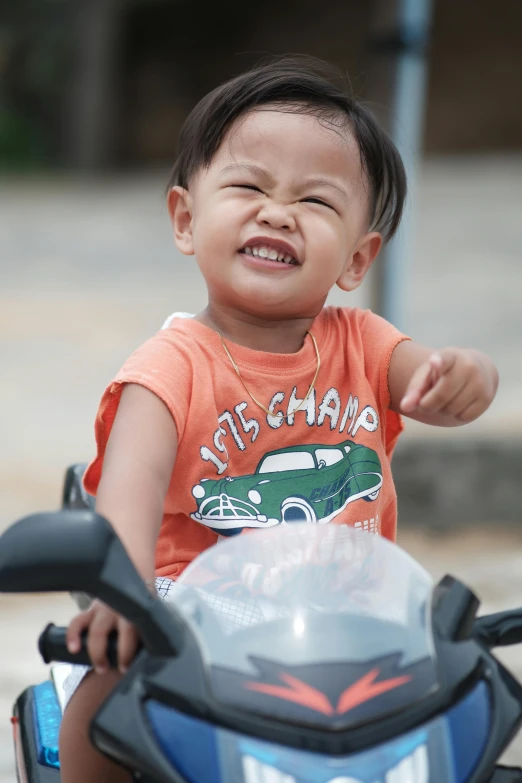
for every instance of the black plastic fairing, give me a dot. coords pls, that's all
(506, 710)
(121, 731)
(454, 607)
(121, 728)
(165, 679)
(183, 683)
(333, 696)
(455, 657)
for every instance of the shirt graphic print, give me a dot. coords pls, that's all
(239, 468)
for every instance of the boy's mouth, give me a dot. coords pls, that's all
(271, 251)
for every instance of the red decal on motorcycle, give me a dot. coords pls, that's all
(365, 689)
(296, 691)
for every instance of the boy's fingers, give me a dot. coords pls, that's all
(99, 630)
(446, 390)
(127, 644)
(418, 386)
(76, 626)
(465, 397)
(443, 361)
(471, 412)
(427, 379)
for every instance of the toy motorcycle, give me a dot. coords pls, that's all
(299, 654)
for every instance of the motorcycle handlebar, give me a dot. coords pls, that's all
(53, 647)
(494, 630)
(499, 629)
(506, 775)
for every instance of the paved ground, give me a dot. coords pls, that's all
(88, 271)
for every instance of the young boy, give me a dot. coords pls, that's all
(284, 187)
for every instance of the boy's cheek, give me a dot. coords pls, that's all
(224, 217)
(214, 251)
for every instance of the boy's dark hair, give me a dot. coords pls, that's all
(301, 84)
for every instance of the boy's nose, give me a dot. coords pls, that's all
(276, 216)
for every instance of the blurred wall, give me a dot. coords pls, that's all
(173, 48)
(475, 61)
(97, 83)
(475, 95)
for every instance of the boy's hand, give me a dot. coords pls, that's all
(99, 621)
(455, 382)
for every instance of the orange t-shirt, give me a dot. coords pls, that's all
(238, 468)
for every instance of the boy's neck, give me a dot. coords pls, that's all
(286, 336)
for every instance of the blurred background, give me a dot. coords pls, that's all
(92, 96)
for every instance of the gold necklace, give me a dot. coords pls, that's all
(260, 404)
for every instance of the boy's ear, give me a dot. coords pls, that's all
(360, 261)
(179, 202)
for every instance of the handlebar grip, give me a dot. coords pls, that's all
(52, 645)
(499, 629)
(506, 775)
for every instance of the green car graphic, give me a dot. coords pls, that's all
(298, 484)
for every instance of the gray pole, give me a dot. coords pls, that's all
(408, 44)
(93, 94)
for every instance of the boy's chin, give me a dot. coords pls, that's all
(267, 297)
(273, 307)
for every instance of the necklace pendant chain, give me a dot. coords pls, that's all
(260, 404)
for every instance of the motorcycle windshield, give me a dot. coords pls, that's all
(312, 624)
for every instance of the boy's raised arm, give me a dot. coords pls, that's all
(446, 388)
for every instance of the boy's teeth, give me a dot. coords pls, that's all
(270, 253)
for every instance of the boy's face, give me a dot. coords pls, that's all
(281, 185)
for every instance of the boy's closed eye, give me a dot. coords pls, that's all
(308, 200)
(315, 200)
(247, 187)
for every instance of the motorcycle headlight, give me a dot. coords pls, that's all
(445, 750)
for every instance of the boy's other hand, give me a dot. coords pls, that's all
(454, 382)
(99, 621)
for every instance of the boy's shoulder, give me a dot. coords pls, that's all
(365, 338)
(356, 320)
(171, 347)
